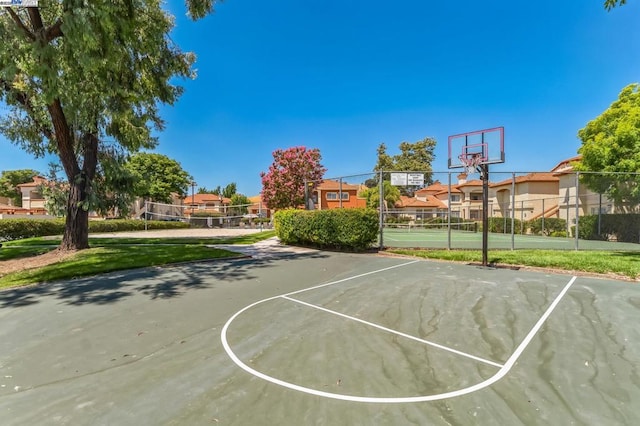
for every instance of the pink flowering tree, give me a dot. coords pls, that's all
(283, 184)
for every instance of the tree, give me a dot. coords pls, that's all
(112, 188)
(372, 195)
(283, 185)
(9, 181)
(229, 190)
(385, 162)
(239, 204)
(413, 157)
(157, 177)
(611, 144)
(610, 4)
(79, 78)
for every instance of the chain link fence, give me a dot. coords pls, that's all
(561, 210)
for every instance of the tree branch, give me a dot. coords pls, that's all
(54, 31)
(21, 24)
(23, 99)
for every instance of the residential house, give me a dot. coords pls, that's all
(535, 195)
(448, 196)
(333, 194)
(33, 202)
(32, 199)
(257, 207)
(198, 204)
(588, 202)
(420, 208)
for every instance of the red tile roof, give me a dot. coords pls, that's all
(334, 185)
(531, 177)
(431, 202)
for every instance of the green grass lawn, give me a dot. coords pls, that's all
(112, 254)
(622, 263)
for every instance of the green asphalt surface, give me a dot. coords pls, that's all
(147, 347)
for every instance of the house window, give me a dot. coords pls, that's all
(455, 198)
(334, 196)
(475, 197)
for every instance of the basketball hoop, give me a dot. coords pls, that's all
(471, 161)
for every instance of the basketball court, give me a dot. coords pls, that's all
(299, 337)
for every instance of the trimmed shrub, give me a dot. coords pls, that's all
(345, 229)
(17, 229)
(502, 225)
(552, 226)
(621, 227)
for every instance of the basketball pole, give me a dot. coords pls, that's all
(484, 174)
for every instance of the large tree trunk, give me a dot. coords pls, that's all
(76, 229)
(76, 232)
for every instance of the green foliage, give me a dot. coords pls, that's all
(346, 229)
(157, 177)
(552, 226)
(621, 227)
(79, 78)
(17, 229)
(229, 190)
(610, 143)
(610, 4)
(239, 204)
(502, 225)
(413, 157)
(372, 195)
(9, 181)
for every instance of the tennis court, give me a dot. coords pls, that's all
(468, 236)
(312, 337)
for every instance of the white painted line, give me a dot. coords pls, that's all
(392, 400)
(408, 336)
(350, 278)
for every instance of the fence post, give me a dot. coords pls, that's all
(577, 207)
(513, 211)
(599, 213)
(522, 217)
(449, 215)
(543, 213)
(380, 207)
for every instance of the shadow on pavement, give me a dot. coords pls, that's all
(156, 282)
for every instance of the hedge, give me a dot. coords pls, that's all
(552, 226)
(344, 229)
(502, 225)
(17, 229)
(621, 227)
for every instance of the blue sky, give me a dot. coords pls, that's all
(344, 76)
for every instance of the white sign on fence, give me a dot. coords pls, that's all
(404, 179)
(415, 179)
(399, 179)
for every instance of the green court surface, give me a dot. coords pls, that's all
(439, 239)
(322, 338)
